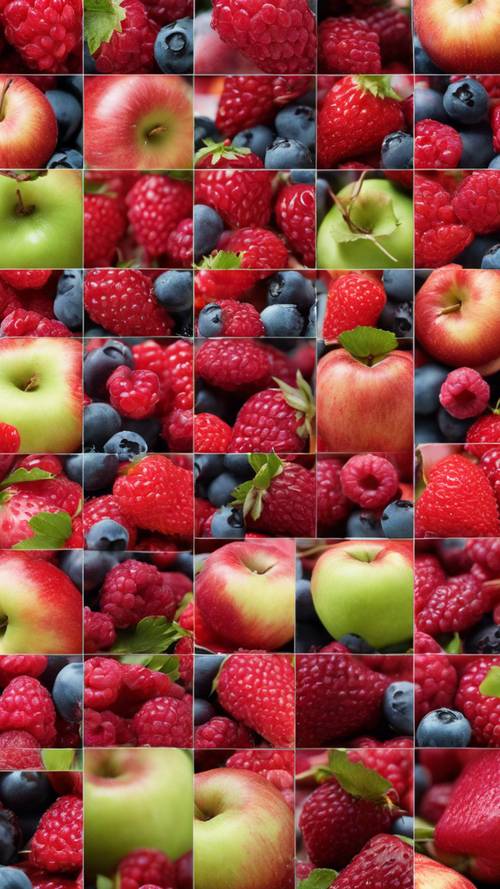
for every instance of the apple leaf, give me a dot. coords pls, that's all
(354, 777)
(368, 343)
(365, 218)
(180, 175)
(407, 840)
(152, 635)
(25, 475)
(51, 531)
(102, 19)
(60, 760)
(319, 878)
(490, 686)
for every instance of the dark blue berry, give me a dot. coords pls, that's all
(304, 606)
(203, 711)
(477, 147)
(397, 707)
(73, 83)
(491, 259)
(299, 570)
(312, 322)
(428, 381)
(71, 159)
(466, 101)
(423, 780)
(286, 153)
(311, 636)
(205, 670)
(100, 363)
(209, 402)
(184, 564)
(427, 431)
(291, 288)
(228, 522)
(126, 446)
(68, 112)
(88, 60)
(397, 151)
(495, 163)
(398, 284)
(14, 877)
(485, 641)
(282, 320)
(95, 567)
(107, 535)
(323, 199)
(100, 422)
(174, 47)
(472, 256)
(174, 290)
(221, 488)
(68, 692)
(297, 122)
(208, 466)
(71, 562)
(452, 428)
(258, 139)
(423, 62)
(397, 317)
(363, 525)
(397, 519)
(10, 837)
(68, 300)
(204, 128)
(210, 320)
(238, 465)
(99, 471)
(302, 177)
(24, 791)
(208, 227)
(148, 429)
(444, 728)
(403, 826)
(73, 466)
(429, 105)
(356, 644)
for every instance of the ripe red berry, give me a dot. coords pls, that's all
(437, 146)
(348, 45)
(211, 434)
(10, 440)
(57, 843)
(369, 480)
(133, 393)
(464, 393)
(221, 732)
(123, 302)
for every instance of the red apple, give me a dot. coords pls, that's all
(457, 316)
(28, 127)
(431, 874)
(460, 35)
(137, 123)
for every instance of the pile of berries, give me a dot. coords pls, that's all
(254, 122)
(133, 705)
(40, 302)
(373, 299)
(138, 219)
(365, 38)
(30, 42)
(139, 602)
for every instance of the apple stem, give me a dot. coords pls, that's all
(3, 94)
(449, 309)
(156, 131)
(21, 208)
(345, 210)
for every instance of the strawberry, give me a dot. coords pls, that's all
(484, 432)
(457, 502)
(57, 492)
(439, 233)
(157, 495)
(241, 197)
(385, 861)
(225, 156)
(428, 575)
(348, 45)
(275, 420)
(357, 114)
(337, 696)
(477, 201)
(435, 683)
(211, 434)
(232, 365)
(353, 299)
(104, 224)
(10, 440)
(259, 690)
(454, 606)
(258, 248)
(480, 706)
(280, 499)
(295, 212)
(156, 204)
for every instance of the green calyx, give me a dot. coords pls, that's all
(490, 686)
(355, 778)
(378, 85)
(223, 259)
(218, 151)
(250, 495)
(369, 345)
(302, 401)
(102, 18)
(319, 878)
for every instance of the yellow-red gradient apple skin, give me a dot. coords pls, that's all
(122, 111)
(361, 408)
(41, 606)
(243, 832)
(431, 874)
(469, 334)
(28, 127)
(246, 593)
(460, 35)
(41, 392)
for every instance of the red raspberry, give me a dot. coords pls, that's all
(156, 204)
(454, 606)
(353, 299)
(8, 300)
(370, 481)
(57, 843)
(232, 365)
(140, 684)
(244, 102)
(393, 27)
(19, 750)
(425, 644)
(260, 248)
(221, 732)
(48, 327)
(20, 323)
(437, 146)
(486, 552)
(477, 201)
(164, 722)
(22, 279)
(133, 590)
(241, 197)
(209, 285)
(146, 866)
(435, 684)
(296, 217)
(348, 46)
(394, 764)
(44, 32)
(264, 762)
(180, 244)
(104, 224)
(184, 652)
(157, 494)
(99, 631)
(10, 440)
(464, 393)
(107, 507)
(211, 434)
(482, 434)
(331, 503)
(103, 680)
(429, 574)
(133, 393)
(100, 728)
(481, 709)
(129, 48)
(237, 318)
(123, 302)
(177, 430)
(26, 705)
(439, 232)
(174, 366)
(435, 801)
(279, 366)
(21, 665)
(495, 126)
(490, 461)
(165, 11)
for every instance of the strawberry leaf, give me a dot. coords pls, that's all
(378, 86)
(224, 260)
(25, 475)
(51, 531)
(250, 494)
(319, 878)
(368, 344)
(152, 635)
(354, 777)
(102, 18)
(59, 760)
(219, 150)
(168, 664)
(490, 686)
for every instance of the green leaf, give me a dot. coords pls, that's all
(181, 175)
(257, 461)
(224, 260)
(102, 19)
(407, 840)
(354, 777)
(59, 760)
(378, 86)
(490, 686)
(219, 150)
(168, 664)
(25, 475)
(250, 494)
(319, 878)
(368, 343)
(52, 530)
(454, 646)
(152, 635)
(423, 830)
(103, 882)
(365, 218)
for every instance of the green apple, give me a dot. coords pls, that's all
(366, 588)
(41, 392)
(41, 221)
(243, 832)
(135, 799)
(374, 231)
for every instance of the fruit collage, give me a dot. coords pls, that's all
(249, 444)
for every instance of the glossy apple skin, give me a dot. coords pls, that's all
(136, 799)
(246, 593)
(243, 832)
(431, 874)
(361, 408)
(470, 335)
(121, 112)
(458, 35)
(50, 237)
(47, 414)
(42, 607)
(28, 128)
(365, 587)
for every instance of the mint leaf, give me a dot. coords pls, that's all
(102, 18)
(319, 878)
(25, 475)
(490, 686)
(368, 343)
(52, 530)
(152, 635)
(354, 777)
(59, 760)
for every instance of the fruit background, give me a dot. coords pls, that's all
(249, 444)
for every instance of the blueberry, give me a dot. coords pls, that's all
(174, 290)
(398, 284)
(68, 112)
(203, 711)
(174, 47)
(466, 100)
(208, 466)
(286, 153)
(209, 402)
(73, 83)
(228, 523)
(299, 570)
(88, 61)
(210, 320)
(397, 519)
(429, 104)
(96, 331)
(423, 780)
(148, 429)
(68, 300)
(397, 707)
(302, 177)
(356, 644)
(28, 824)
(204, 128)
(95, 567)
(107, 535)
(100, 363)
(491, 259)
(258, 139)
(397, 317)
(477, 147)
(73, 467)
(10, 837)
(471, 257)
(238, 465)
(423, 62)
(311, 636)
(397, 151)
(205, 670)
(304, 606)
(485, 641)
(323, 199)
(282, 320)
(297, 122)
(363, 525)
(99, 471)
(312, 322)
(126, 446)
(24, 791)
(444, 728)
(66, 160)
(403, 826)
(495, 163)
(79, 141)
(14, 878)
(68, 692)
(100, 422)
(184, 564)
(208, 227)
(451, 428)
(291, 288)
(71, 562)
(428, 381)
(221, 488)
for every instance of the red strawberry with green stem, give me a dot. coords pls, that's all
(275, 420)
(385, 861)
(457, 502)
(280, 499)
